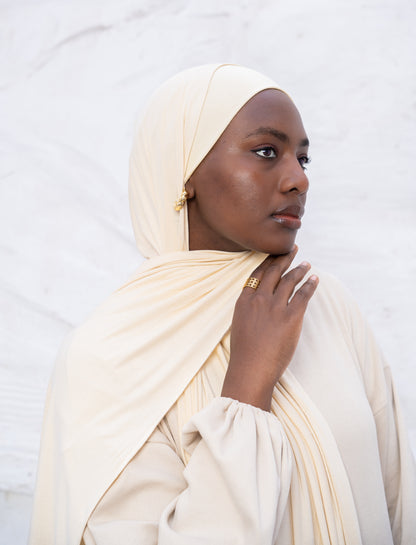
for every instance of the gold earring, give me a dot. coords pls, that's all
(180, 203)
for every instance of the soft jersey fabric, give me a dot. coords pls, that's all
(118, 375)
(232, 476)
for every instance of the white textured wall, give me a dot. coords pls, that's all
(73, 75)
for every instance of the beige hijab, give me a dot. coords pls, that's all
(121, 371)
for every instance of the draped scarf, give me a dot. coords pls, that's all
(119, 373)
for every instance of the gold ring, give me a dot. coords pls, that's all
(252, 283)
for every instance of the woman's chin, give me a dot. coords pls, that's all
(280, 248)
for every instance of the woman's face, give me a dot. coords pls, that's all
(249, 192)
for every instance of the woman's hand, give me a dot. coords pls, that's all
(266, 328)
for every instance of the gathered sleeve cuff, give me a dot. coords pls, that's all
(233, 490)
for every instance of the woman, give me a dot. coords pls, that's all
(160, 425)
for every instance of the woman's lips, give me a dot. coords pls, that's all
(288, 221)
(289, 217)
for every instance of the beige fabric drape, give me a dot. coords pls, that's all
(121, 371)
(239, 461)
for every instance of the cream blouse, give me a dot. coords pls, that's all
(227, 476)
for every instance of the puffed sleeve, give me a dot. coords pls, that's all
(233, 490)
(397, 462)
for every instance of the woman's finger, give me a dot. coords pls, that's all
(258, 273)
(288, 282)
(303, 295)
(275, 270)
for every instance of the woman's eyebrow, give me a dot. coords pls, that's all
(283, 137)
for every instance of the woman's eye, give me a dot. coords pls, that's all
(267, 152)
(303, 161)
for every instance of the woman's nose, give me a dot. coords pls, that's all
(294, 179)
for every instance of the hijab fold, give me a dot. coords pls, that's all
(119, 373)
